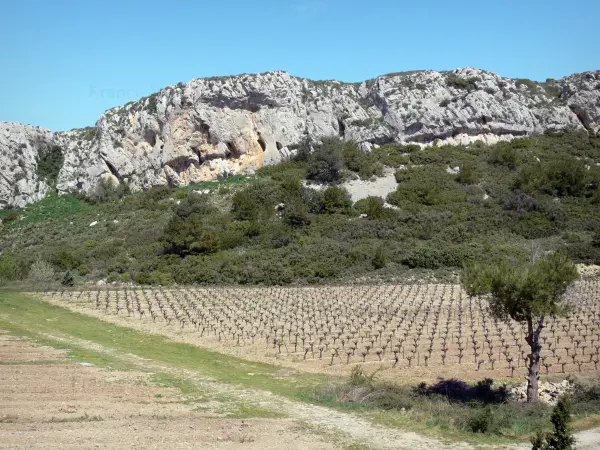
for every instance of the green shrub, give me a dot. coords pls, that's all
(372, 207)
(561, 437)
(49, 163)
(9, 268)
(429, 257)
(283, 171)
(68, 279)
(336, 200)
(481, 420)
(469, 84)
(426, 186)
(468, 174)
(151, 105)
(326, 162)
(64, 258)
(412, 148)
(256, 199)
(313, 199)
(380, 259)
(391, 155)
(426, 156)
(10, 217)
(107, 190)
(41, 273)
(502, 155)
(296, 215)
(563, 177)
(529, 84)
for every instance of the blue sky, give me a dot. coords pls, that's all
(64, 62)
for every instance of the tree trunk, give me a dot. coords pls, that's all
(533, 372)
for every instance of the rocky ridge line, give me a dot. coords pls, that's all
(213, 127)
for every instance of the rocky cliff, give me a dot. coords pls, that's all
(229, 125)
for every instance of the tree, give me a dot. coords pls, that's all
(380, 258)
(68, 279)
(527, 294)
(561, 438)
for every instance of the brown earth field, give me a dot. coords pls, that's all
(51, 402)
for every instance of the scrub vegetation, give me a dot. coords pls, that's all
(295, 222)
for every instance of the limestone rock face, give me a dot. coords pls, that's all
(20, 146)
(209, 128)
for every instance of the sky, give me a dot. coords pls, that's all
(65, 62)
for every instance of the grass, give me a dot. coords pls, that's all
(51, 207)
(453, 409)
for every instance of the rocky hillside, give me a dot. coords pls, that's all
(228, 125)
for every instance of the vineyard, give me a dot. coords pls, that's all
(434, 329)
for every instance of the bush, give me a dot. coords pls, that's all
(561, 437)
(193, 204)
(68, 279)
(520, 202)
(107, 190)
(380, 259)
(529, 84)
(9, 268)
(391, 155)
(469, 84)
(258, 199)
(49, 163)
(65, 258)
(191, 235)
(10, 217)
(313, 199)
(283, 171)
(505, 156)
(481, 420)
(468, 174)
(561, 178)
(41, 272)
(428, 257)
(296, 215)
(336, 200)
(326, 162)
(426, 186)
(372, 207)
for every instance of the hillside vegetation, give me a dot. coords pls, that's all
(540, 193)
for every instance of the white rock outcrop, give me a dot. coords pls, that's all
(215, 127)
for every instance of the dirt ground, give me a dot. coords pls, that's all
(49, 402)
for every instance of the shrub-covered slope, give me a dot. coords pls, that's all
(452, 205)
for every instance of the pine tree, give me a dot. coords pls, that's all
(561, 438)
(68, 279)
(526, 294)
